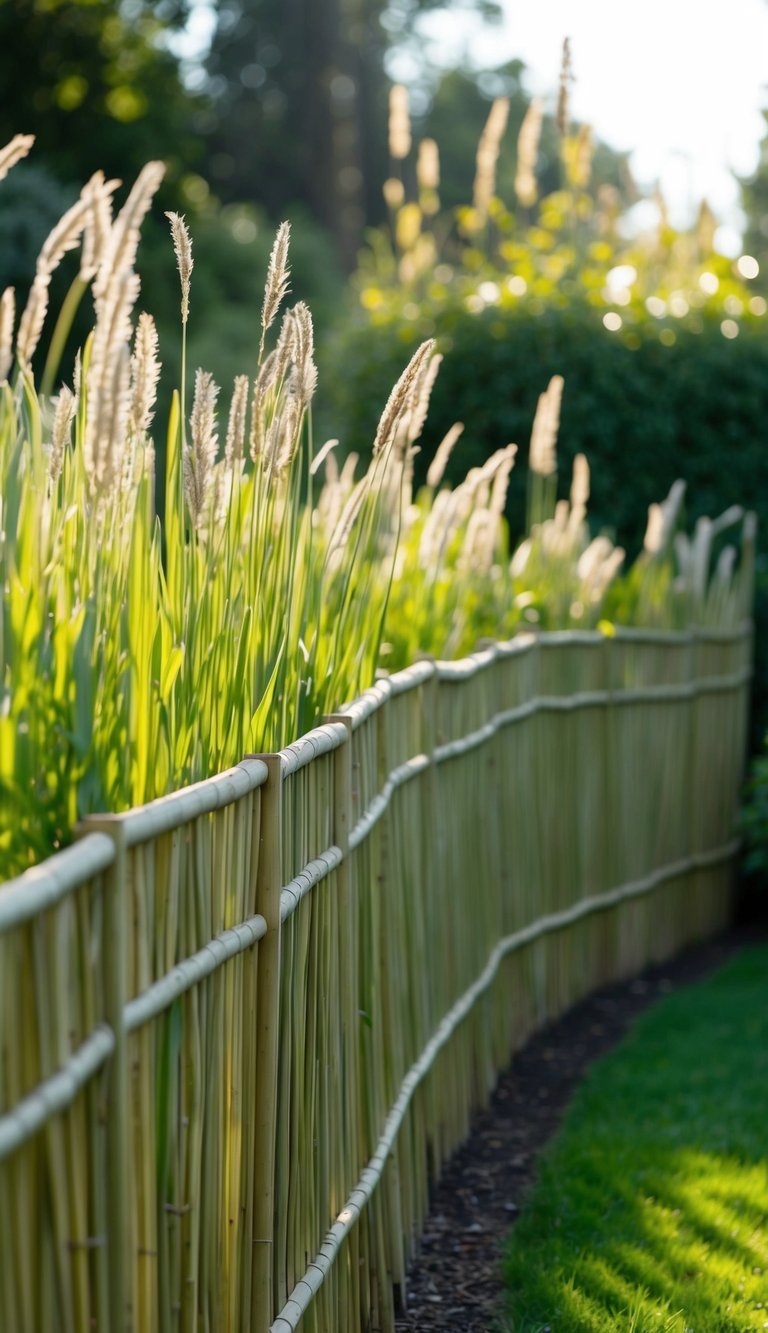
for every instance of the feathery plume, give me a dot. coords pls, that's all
(182, 248)
(66, 406)
(63, 237)
(278, 274)
(257, 433)
(654, 532)
(200, 457)
(562, 117)
(109, 396)
(304, 353)
(414, 418)
(238, 409)
(500, 484)
(115, 402)
(445, 448)
(98, 192)
(119, 252)
(399, 123)
(542, 456)
(7, 318)
(488, 153)
(14, 151)
(32, 320)
(399, 398)
(285, 430)
(428, 165)
(580, 485)
(145, 373)
(527, 154)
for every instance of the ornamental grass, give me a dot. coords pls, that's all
(138, 655)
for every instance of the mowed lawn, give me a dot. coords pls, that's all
(651, 1208)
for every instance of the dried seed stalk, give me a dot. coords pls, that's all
(543, 455)
(145, 373)
(399, 123)
(14, 151)
(7, 319)
(527, 154)
(278, 275)
(182, 246)
(488, 154)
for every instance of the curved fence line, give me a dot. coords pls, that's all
(317, 1271)
(287, 987)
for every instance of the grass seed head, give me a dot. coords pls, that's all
(182, 248)
(488, 153)
(562, 117)
(428, 165)
(542, 458)
(66, 405)
(145, 373)
(7, 320)
(444, 450)
(399, 123)
(199, 459)
(304, 353)
(98, 223)
(109, 387)
(278, 275)
(62, 238)
(238, 411)
(119, 253)
(400, 398)
(14, 151)
(527, 154)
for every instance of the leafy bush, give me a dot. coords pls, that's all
(659, 338)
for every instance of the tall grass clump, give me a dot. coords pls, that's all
(460, 576)
(136, 657)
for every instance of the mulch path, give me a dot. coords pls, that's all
(456, 1286)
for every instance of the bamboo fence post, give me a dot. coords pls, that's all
(341, 826)
(268, 886)
(118, 1100)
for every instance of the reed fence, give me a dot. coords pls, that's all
(242, 1027)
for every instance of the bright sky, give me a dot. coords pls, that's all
(680, 82)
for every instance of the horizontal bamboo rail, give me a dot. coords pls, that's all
(242, 1027)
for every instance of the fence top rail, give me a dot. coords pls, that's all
(173, 811)
(44, 885)
(693, 634)
(418, 673)
(321, 740)
(369, 702)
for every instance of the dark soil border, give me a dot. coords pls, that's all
(456, 1285)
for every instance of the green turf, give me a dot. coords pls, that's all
(651, 1208)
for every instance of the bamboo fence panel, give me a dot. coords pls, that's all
(525, 825)
(243, 1027)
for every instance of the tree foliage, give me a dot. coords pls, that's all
(299, 92)
(95, 84)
